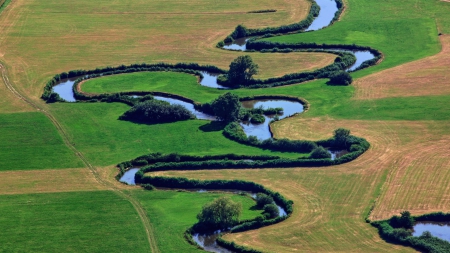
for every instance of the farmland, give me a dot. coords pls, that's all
(58, 159)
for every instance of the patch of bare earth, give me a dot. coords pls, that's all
(429, 76)
(406, 168)
(44, 181)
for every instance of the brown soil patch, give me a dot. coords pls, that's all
(429, 76)
(331, 203)
(43, 181)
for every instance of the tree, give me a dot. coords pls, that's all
(263, 199)
(241, 70)
(341, 78)
(406, 220)
(340, 137)
(319, 153)
(226, 107)
(271, 210)
(219, 214)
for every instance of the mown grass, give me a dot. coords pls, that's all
(70, 222)
(96, 131)
(172, 212)
(30, 141)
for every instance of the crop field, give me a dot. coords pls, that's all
(57, 161)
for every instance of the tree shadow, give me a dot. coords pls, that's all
(213, 126)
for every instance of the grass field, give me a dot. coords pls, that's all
(30, 141)
(105, 140)
(407, 125)
(173, 212)
(73, 222)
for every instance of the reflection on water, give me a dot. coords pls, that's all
(210, 80)
(189, 106)
(64, 89)
(238, 44)
(128, 176)
(262, 131)
(437, 229)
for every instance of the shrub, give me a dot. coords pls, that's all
(257, 119)
(219, 214)
(341, 78)
(271, 210)
(155, 111)
(263, 199)
(226, 107)
(319, 153)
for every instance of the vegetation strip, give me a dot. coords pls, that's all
(398, 229)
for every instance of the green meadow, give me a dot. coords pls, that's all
(30, 141)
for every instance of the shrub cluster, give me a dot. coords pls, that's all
(156, 111)
(393, 231)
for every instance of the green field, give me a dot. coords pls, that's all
(30, 141)
(172, 212)
(102, 221)
(73, 222)
(105, 140)
(406, 167)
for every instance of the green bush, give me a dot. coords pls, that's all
(271, 210)
(155, 111)
(319, 153)
(341, 78)
(257, 119)
(263, 199)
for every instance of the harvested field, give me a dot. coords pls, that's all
(331, 203)
(42, 39)
(429, 76)
(46, 181)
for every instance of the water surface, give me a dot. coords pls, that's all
(262, 131)
(189, 106)
(437, 229)
(210, 80)
(238, 44)
(328, 9)
(64, 89)
(128, 176)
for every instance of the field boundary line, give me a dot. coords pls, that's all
(135, 203)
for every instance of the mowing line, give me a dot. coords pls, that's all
(137, 206)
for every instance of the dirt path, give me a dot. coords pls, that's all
(110, 186)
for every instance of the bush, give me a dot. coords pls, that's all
(257, 119)
(226, 107)
(263, 199)
(319, 153)
(155, 111)
(341, 78)
(271, 210)
(219, 214)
